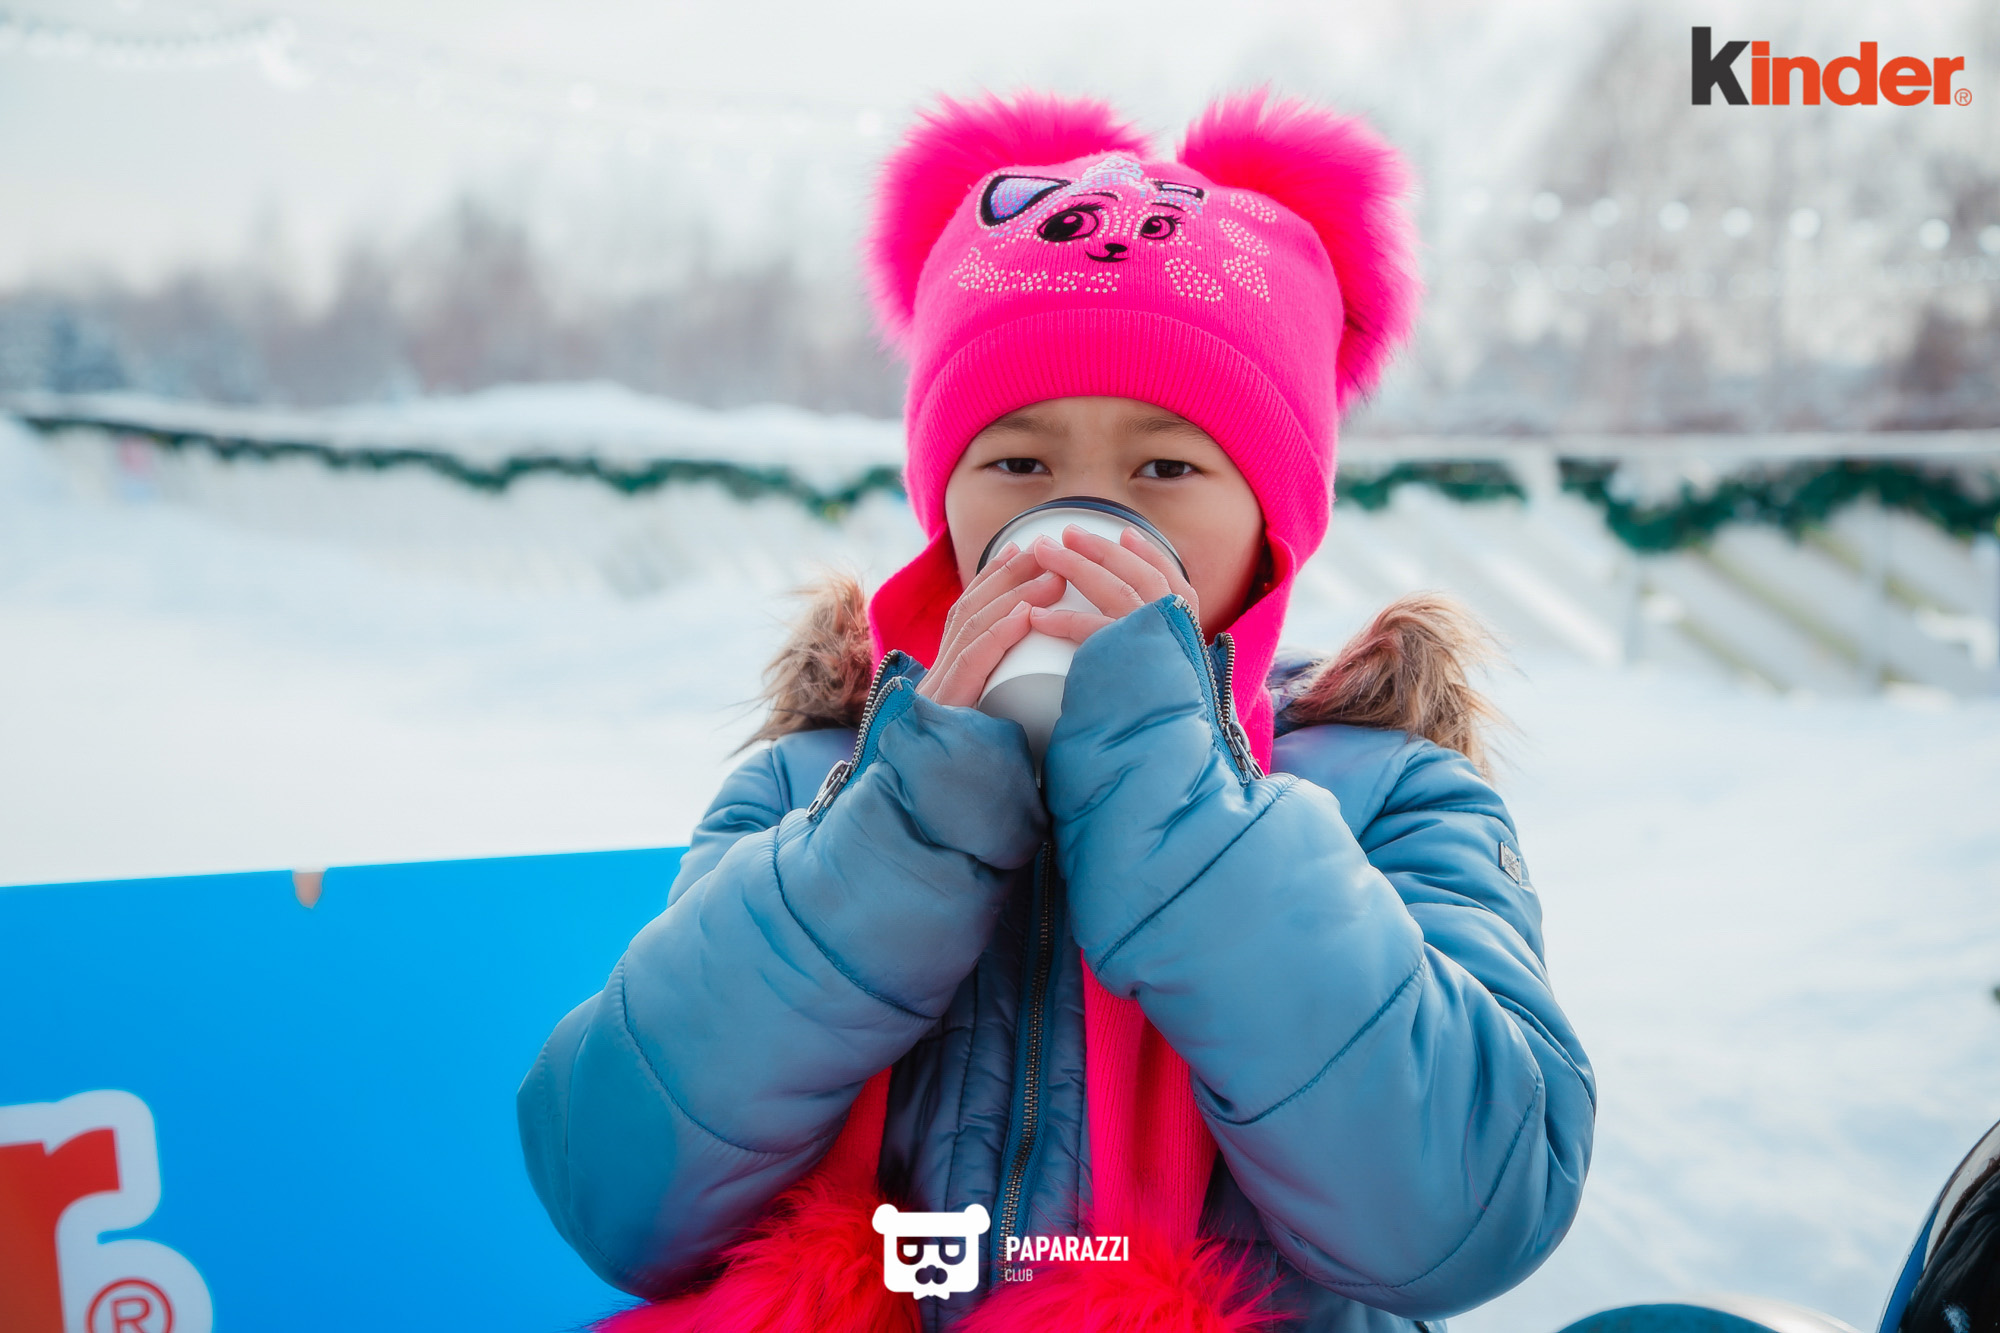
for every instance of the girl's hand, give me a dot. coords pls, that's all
(1117, 577)
(990, 617)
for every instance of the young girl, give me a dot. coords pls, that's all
(1251, 979)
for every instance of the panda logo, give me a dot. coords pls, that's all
(930, 1254)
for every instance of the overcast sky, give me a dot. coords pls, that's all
(291, 127)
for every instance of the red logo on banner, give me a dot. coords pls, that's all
(70, 1171)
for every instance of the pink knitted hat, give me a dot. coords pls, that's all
(1256, 284)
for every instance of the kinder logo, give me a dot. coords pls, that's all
(70, 1171)
(1857, 80)
(930, 1254)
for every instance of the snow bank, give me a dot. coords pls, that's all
(1774, 923)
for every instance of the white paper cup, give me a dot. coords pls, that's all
(1027, 685)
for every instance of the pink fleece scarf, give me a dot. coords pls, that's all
(814, 1260)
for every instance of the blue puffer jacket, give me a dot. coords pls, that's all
(1347, 953)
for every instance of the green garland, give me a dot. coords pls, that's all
(744, 483)
(1797, 497)
(1465, 482)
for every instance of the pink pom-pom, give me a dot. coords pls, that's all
(954, 146)
(813, 1262)
(1166, 1286)
(1347, 183)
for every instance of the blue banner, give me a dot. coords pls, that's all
(222, 1108)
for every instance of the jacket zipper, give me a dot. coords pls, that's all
(837, 776)
(1222, 696)
(1232, 729)
(1031, 1095)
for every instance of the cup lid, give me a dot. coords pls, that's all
(1086, 504)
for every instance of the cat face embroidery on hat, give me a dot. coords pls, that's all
(1053, 233)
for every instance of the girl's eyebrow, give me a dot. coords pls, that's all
(1026, 421)
(1167, 426)
(1021, 419)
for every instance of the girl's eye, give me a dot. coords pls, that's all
(1159, 227)
(1019, 467)
(1166, 469)
(1072, 224)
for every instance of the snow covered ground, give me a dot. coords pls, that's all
(1775, 920)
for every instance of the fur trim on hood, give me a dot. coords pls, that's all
(1409, 670)
(820, 677)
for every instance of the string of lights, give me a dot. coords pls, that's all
(300, 50)
(263, 41)
(1804, 271)
(1677, 218)
(1735, 283)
